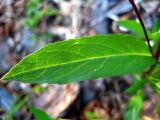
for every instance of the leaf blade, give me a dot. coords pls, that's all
(133, 107)
(39, 114)
(137, 85)
(134, 27)
(156, 26)
(85, 58)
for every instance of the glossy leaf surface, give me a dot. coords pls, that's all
(82, 59)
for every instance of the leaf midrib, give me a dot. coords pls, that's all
(86, 59)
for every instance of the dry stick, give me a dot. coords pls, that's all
(142, 24)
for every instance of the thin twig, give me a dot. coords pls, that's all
(142, 24)
(157, 54)
(149, 70)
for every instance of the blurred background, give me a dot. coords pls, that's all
(27, 25)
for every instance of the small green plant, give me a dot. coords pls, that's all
(36, 12)
(16, 106)
(98, 56)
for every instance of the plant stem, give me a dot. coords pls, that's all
(149, 70)
(157, 54)
(142, 24)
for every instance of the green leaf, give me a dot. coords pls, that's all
(137, 85)
(91, 116)
(39, 114)
(134, 27)
(154, 79)
(28, 22)
(32, 6)
(49, 11)
(155, 85)
(156, 36)
(133, 107)
(82, 59)
(16, 106)
(156, 26)
(156, 72)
